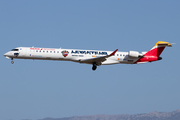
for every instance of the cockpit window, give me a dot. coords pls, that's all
(15, 50)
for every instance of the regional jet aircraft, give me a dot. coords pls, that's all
(93, 57)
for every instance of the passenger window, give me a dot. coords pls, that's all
(47, 51)
(54, 51)
(57, 51)
(36, 50)
(39, 51)
(50, 51)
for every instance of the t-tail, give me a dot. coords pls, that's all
(155, 52)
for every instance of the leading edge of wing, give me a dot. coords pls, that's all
(98, 60)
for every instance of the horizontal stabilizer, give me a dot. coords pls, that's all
(162, 43)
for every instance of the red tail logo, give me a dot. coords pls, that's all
(155, 52)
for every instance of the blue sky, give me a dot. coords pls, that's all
(38, 89)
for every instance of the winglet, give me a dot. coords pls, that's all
(113, 52)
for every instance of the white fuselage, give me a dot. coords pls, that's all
(74, 55)
(94, 57)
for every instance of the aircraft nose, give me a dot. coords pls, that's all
(6, 54)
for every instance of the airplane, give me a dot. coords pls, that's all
(93, 57)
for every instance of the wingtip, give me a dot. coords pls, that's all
(114, 52)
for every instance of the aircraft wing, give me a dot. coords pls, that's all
(98, 60)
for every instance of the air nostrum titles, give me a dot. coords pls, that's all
(88, 52)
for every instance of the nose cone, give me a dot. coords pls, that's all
(7, 54)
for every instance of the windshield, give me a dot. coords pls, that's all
(15, 50)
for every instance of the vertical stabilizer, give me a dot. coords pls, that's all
(154, 53)
(158, 48)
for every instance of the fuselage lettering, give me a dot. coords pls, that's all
(88, 52)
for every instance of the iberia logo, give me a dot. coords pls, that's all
(65, 53)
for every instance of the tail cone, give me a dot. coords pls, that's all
(159, 58)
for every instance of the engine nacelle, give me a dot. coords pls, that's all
(135, 54)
